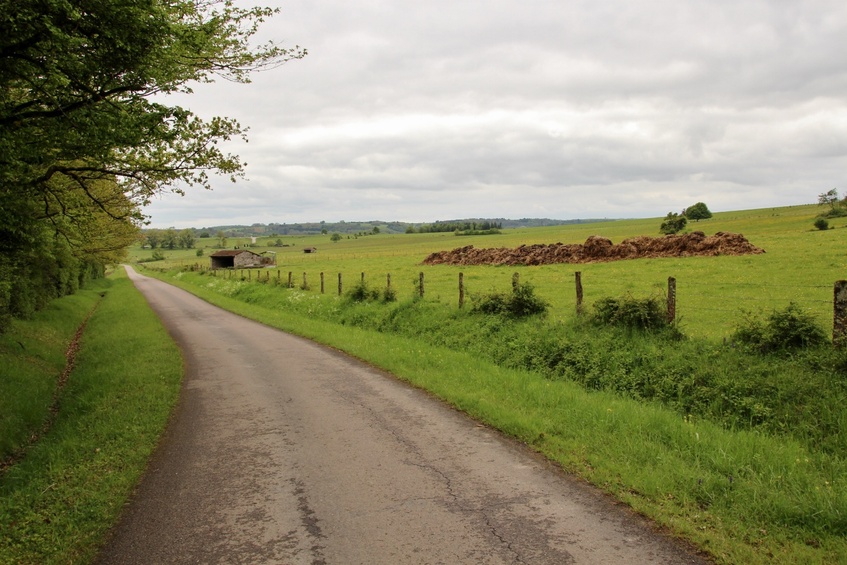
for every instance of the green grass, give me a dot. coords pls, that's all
(801, 264)
(58, 502)
(742, 454)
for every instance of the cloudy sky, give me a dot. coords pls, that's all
(424, 111)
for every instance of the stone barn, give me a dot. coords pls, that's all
(237, 259)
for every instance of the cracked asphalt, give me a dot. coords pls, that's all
(284, 451)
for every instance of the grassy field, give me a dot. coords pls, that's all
(741, 453)
(65, 490)
(800, 265)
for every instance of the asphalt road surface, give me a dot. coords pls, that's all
(284, 451)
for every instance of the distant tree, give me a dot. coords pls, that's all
(170, 239)
(376, 229)
(204, 234)
(221, 238)
(186, 238)
(335, 238)
(828, 198)
(153, 237)
(323, 231)
(698, 212)
(673, 223)
(410, 229)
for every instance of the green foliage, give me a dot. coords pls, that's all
(335, 238)
(361, 292)
(673, 223)
(85, 145)
(199, 252)
(821, 224)
(632, 313)
(519, 303)
(697, 212)
(784, 330)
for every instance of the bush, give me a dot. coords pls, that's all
(520, 303)
(821, 224)
(631, 313)
(673, 223)
(361, 293)
(784, 330)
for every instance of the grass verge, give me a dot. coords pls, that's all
(58, 502)
(744, 496)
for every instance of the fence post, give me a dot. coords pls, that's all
(290, 280)
(305, 283)
(516, 280)
(278, 275)
(839, 318)
(461, 289)
(388, 282)
(671, 300)
(578, 277)
(249, 275)
(322, 282)
(421, 284)
(363, 278)
(339, 284)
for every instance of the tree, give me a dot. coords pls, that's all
(673, 223)
(828, 198)
(186, 238)
(86, 137)
(698, 212)
(221, 238)
(335, 238)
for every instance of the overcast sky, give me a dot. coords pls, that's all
(424, 111)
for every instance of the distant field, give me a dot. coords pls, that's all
(801, 264)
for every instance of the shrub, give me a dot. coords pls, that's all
(631, 313)
(361, 293)
(784, 330)
(821, 224)
(520, 303)
(673, 223)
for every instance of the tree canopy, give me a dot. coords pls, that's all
(673, 223)
(698, 212)
(86, 135)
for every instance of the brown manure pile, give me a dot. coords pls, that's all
(598, 249)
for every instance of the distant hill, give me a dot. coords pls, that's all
(310, 228)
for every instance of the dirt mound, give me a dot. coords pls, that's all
(598, 249)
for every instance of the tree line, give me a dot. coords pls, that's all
(87, 140)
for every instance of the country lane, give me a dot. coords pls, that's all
(285, 451)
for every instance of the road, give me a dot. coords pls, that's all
(284, 451)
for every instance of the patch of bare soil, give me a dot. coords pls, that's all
(600, 249)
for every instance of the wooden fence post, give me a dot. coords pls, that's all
(578, 277)
(278, 275)
(388, 282)
(322, 282)
(671, 300)
(461, 289)
(363, 278)
(290, 280)
(249, 275)
(305, 283)
(339, 284)
(516, 280)
(839, 318)
(421, 284)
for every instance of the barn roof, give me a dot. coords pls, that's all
(230, 252)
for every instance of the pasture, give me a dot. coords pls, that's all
(800, 265)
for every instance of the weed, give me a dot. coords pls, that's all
(783, 331)
(631, 313)
(520, 303)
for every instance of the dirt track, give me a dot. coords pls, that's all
(282, 451)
